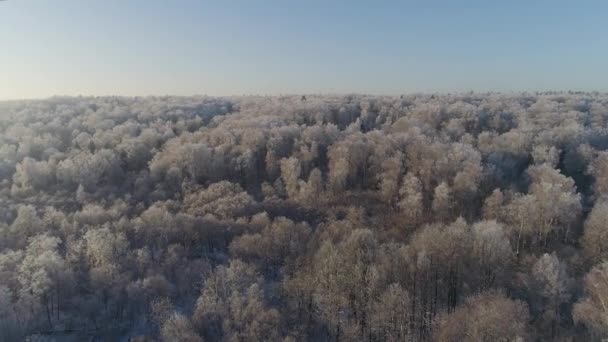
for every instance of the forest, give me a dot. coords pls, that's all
(422, 217)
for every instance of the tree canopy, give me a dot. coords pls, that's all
(456, 217)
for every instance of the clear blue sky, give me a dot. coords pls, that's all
(70, 47)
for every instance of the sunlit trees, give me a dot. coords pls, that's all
(550, 208)
(90, 170)
(493, 205)
(179, 328)
(44, 278)
(31, 176)
(389, 178)
(591, 310)
(276, 246)
(553, 286)
(442, 202)
(26, 224)
(348, 163)
(311, 191)
(456, 217)
(232, 306)
(344, 281)
(411, 199)
(486, 317)
(557, 202)
(104, 247)
(492, 253)
(595, 236)
(222, 199)
(290, 173)
(599, 169)
(390, 317)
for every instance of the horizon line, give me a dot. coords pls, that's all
(317, 94)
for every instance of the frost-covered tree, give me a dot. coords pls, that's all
(355, 217)
(486, 317)
(591, 310)
(45, 278)
(595, 236)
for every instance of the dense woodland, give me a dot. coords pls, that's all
(470, 217)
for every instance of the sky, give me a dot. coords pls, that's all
(159, 47)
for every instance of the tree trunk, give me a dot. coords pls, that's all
(48, 316)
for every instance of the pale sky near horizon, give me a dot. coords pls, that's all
(154, 47)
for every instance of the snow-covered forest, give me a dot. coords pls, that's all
(469, 217)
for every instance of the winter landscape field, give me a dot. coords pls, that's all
(294, 171)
